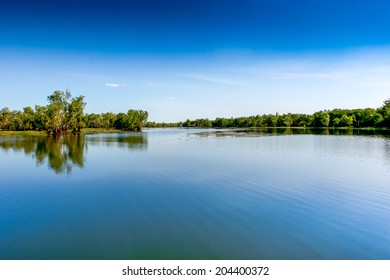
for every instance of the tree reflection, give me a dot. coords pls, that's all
(135, 141)
(64, 153)
(280, 131)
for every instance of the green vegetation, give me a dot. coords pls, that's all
(21, 133)
(63, 153)
(42, 133)
(60, 153)
(336, 118)
(64, 114)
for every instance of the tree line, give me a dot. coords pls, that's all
(357, 118)
(65, 113)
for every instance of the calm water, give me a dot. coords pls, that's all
(196, 194)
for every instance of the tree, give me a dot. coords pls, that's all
(385, 112)
(134, 120)
(5, 118)
(187, 123)
(55, 115)
(271, 120)
(63, 112)
(336, 121)
(121, 121)
(17, 120)
(93, 120)
(28, 117)
(346, 120)
(40, 118)
(75, 114)
(321, 119)
(369, 117)
(376, 119)
(108, 120)
(288, 120)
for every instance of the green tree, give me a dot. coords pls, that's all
(288, 120)
(321, 119)
(75, 114)
(63, 112)
(5, 118)
(346, 120)
(108, 120)
(134, 120)
(17, 120)
(55, 117)
(385, 112)
(220, 122)
(336, 121)
(28, 118)
(40, 118)
(121, 121)
(187, 123)
(93, 120)
(271, 120)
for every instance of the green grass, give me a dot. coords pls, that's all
(42, 133)
(22, 133)
(100, 130)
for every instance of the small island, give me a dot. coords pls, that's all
(65, 114)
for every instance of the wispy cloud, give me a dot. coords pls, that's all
(114, 85)
(332, 71)
(209, 78)
(332, 75)
(168, 101)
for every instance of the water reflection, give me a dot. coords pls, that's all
(168, 194)
(135, 141)
(293, 131)
(64, 153)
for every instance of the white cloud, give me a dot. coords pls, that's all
(113, 85)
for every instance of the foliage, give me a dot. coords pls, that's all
(385, 112)
(358, 118)
(65, 113)
(132, 121)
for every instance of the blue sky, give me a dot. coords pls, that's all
(193, 59)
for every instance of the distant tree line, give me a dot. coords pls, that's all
(163, 124)
(357, 118)
(64, 114)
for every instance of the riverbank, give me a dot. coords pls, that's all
(228, 130)
(21, 133)
(42, 133)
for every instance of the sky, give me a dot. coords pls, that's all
(192, 59)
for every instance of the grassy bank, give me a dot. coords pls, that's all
(41, 133)
(105, 130)
(22, 133)
(100, 130)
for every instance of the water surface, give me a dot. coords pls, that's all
(196, 194)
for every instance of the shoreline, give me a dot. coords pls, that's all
(86, 131)
(42, 133)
